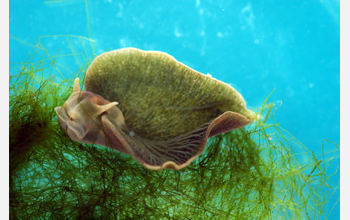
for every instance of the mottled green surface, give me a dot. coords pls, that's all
(160, 97)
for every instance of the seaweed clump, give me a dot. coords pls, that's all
(248, 173)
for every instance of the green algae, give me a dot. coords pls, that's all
(249, 173)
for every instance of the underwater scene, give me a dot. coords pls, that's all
(187, 109)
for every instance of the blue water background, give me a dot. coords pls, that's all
(257, 46)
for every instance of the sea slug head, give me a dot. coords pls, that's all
(80, 116)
